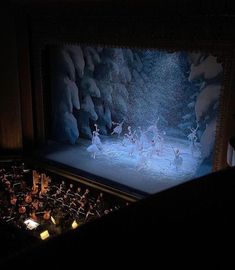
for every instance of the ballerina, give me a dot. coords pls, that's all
(128, 136)
(178, 160)
(159, 139)
(143, 141)
(193, 138)
(95, 138)
(130, 139)
(118, 128)
(154, 149)
(93, 149)
(96, 145)
(143, 160)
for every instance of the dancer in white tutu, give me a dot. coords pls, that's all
(193, 138)
(143, 140)
(178, 160)
(118, 128)
(128, 137)
(96, 139)
(159, 142)
(93, 149)
(96, 145)
(143, 160)
(153, 149)
(130, 141)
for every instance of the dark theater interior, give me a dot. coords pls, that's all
(117, 134)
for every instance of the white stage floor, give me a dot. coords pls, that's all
(138, 171)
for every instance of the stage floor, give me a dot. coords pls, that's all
(137, 171)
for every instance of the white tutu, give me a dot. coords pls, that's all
(93, 149)
(117, 130)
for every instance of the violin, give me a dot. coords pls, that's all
(47, 215)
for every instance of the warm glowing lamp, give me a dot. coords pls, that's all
(74, 224)
(44, 235)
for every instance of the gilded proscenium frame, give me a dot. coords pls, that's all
(135, 31)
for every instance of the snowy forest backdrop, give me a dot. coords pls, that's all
(100, 85)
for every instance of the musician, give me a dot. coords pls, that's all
(81, 209)
(28, 197)
(21, 209)
(57, 195)
(70, 190)
(35, 204)
(78, 193)
(62, 186)
(85, 196)
(47, 214)
(13, 199)
(33, 216)
(73, 204)
(90, 214)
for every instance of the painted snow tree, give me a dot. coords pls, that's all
(209, 71)
(88, 87)
(190, 93)
(112, 75)
(65, 95)
(89, 91)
